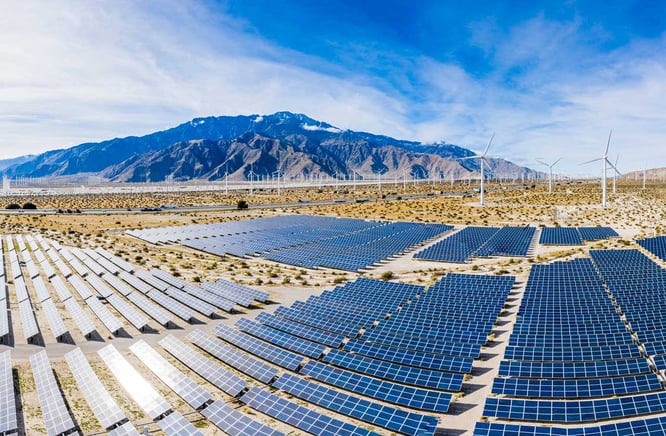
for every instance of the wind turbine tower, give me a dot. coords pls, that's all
(550, 173)
(482, 161)
(605, 163)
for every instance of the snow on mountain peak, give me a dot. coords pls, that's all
(312, 127)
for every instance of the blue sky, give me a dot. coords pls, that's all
(550, 78)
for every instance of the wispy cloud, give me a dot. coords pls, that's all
(87, 71)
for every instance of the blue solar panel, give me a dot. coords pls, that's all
(412, 397)
(656, 246)
(281, 339)
(638, 427)
(459, 246)
(422, 344)
(575, 411)
(259, 348)
(378, 414)
(299, 416)
(301, 330)
(411, 358)
(426, 378)
(572, 389)
(560, 236)
(233, 357)
(508, 241)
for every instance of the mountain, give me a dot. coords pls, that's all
(6, 163)
(651, 175)
(258, 146)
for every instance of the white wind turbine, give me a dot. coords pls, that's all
(550, 174)
(482, 160)
(616, 173)
(606, 163)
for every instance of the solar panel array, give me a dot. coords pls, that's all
(574, 235)
(560, 365)
(656, 246)
(639, 286)
(308, 241)
(57, 419)
(459, 246)
(8, 420)
(104, 407)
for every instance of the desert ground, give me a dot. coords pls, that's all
(633, 212)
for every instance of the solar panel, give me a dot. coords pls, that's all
(64, 269)
(574, 411)
(375, 413)
(108, 265)
(259, 348)
(125, 266)
(99, 286)
(179, 309)
(117, 284)
(48, 269)
(57, 419)
(281, 339)
(81, 318)
(100, 401)
(81, 288)
(30, 329)
(20, 289)
(154, 311)
(635, 427)
(228, 294)
(191, 301)
(126, 429)
(56, 323)
(233, 357)
(301, 330)
(175, 424)
(78, 267)
(255, 294)
(151, 280)
(40, 289)
(236, 423)
(299, 416)
(32, 268)
(185, 387)
(573, 389)
(92, 265)
(140, 285)
(136, 386)
(109, 320)
(8, 421)
(16, 269)
(411, 358)
(211, 371)
(426, 378)
(408, 396)
(4, 320)
(138, 320)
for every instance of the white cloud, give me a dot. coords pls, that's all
(87, 71)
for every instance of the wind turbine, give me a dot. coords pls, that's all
(251, 174)
(482, 160)
(605, 162)
(550, 173)
(617, 173)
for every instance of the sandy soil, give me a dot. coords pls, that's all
(633, 212)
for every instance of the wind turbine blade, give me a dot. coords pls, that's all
(590, 161)
(555, 163)
(476, 156)
(608, 143)
(488, 146)
(542, 162)
(617, 159)
(612, 166)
